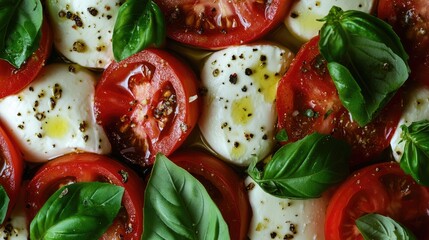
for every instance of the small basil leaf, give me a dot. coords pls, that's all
(78, 211)
(378, 227)
(282, 136)
(179, 206)
(415, 160)
(20, 30)
(4, 204)
(138, 26)
(304, 169)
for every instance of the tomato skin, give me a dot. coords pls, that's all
(13, 80)
(128, 99)
(89, 167)
(381, 188)
(219, 24)
(224, 186)
(11, 170)
(307, 102)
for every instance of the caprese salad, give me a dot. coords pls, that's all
(155, 119)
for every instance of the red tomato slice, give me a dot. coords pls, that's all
(88, 167)
(307, 102)
(410, 19)
(384, 189)
(11, 169)
(148, 104)
(225, 187)
(13, 80)
(217, 24)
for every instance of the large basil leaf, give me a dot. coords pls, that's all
(366, 60)
(4, 204)
(78, 211)
(20, 24)
(304, 169)
(177, 206)
(415, 160)
(378, 227)
(139, 25)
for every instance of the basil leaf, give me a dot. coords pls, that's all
(179, 206)
(366, 60)
(282, 136)
(378, 227)
(78, 211)
(138, 26)
(304, 169)
(20, 29)
(4, 204)
(415, 160)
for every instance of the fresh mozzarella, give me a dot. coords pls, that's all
(282, 218)
(302, 20)
(83, 30)
(239, 115)
(416, 108)
(54, 114)
(15, 228)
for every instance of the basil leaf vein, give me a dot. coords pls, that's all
(378, 227)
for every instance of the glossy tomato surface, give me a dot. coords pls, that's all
(147, 104)
(12, 166)
(307, 102)
(217, 24)
(88, 167)
(384, 189)
(410, 19)
(224, 186)
(13, 80)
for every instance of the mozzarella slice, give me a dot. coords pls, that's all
(54, 114)
(239, 115)
(83, 30)
(282, 218)
(302, 19)
(416, 108)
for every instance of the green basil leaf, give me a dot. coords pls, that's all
(282, 136)
(78, 211)
(20, 29)
(4, 204)
(366, 60)
(378, 227)
(415, 160)
(304, 169)
(179, 206)
(138, 26)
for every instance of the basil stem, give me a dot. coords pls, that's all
(20, 29)
(4, 204)
(78, 211)
(304, 169)
(366, 61)
(179, 207)
(139, 25)
(378, 227)
(415, 160)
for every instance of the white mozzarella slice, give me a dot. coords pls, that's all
(239, 116)
(416, 108)
(302, 18)
(15, 228)
(83, 30)
(282, 218)
(54, 114)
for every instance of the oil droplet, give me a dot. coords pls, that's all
(242, 110)
(56, 127)
(266, 82)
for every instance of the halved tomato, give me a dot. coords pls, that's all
(217, 24)
(147, 103)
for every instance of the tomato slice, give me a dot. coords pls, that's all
(13, 80)
(12, 166)
(148, 104)
(89, 167)
(217, 24)
(410, 19)
(224, 186)
(307, 102)
(384, 189)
